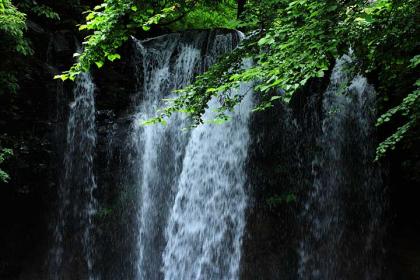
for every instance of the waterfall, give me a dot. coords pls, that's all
(181, 200)
(159, 147)
(346, 184)
(73, 233)
(208, 217)
(165, 157)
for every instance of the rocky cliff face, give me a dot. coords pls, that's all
(279, 171)
(30, 124)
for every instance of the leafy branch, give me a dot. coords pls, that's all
(4, 154)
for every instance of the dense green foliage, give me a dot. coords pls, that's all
(409, 108)
(12, 28)
(300, 42)
(290, 43)
(204, 16)
(112, 22)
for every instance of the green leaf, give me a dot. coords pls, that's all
(113, 57)
(99, 63)
(320, 74)
(63, 77)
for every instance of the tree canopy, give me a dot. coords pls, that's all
(290, 43)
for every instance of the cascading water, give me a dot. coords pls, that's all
(159, 148)
(73, 233)
(207, 220)
(166, 63)
(346, 184)
(189, 189)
